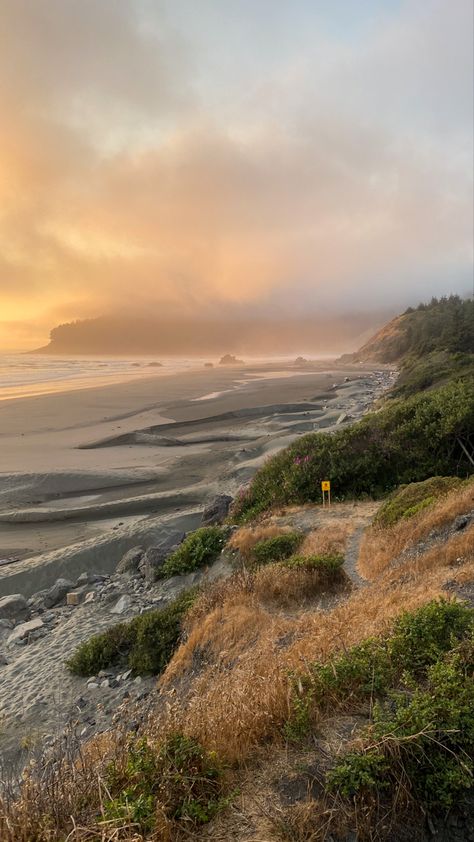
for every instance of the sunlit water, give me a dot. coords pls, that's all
(24, 375)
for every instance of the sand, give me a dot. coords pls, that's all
(86, 474)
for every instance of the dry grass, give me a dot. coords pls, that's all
(245, 538)
(328, 540)
(229, 686)
(238, 696)
(381, 546)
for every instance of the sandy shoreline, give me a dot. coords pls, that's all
(86, 474)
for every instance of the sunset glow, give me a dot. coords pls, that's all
(290, 158)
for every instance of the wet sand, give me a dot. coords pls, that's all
(86, 474)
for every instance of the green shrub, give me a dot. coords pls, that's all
(277, 548)
(423, 741)
(370, 669)
(181, 779)
(199, 548)
(407, 441)
(144, 644)
(357, 772)
(326, 563)
(411, 499)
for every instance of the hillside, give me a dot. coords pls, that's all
(217, 334)
(300, 673)
(430, 344)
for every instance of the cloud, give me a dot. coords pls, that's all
(336, 176)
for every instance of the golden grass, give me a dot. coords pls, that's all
(239, 696)
(331, 539)
(229, 684)
(245, 538)
(381, 545)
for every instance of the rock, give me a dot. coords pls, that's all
(93, 686)
(105, 683)
(90, 579)
(126, 675)
(208, 365)
(130, 561)
(122, 605)
(343, 417)
(3, 660)
(73, 598)
(80, 703)
(23, 630)
(14, 607)
(57, 593)
(229, 359)
(461, 522)
(89, 597)
(217, 511)
(5, 625)
(155, 557)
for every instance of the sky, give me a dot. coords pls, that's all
(231, 158)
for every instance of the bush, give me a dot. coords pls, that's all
(325, 563)
(370, 669)
(180, 780)
(423, 742)
(408, 500)
(144, 644)
(407, 441)
(199, 548)
(277, 548)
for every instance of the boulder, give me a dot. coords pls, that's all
(14, 607)
(57, 593)
(122, 605)
(130, 561)
(23, 630)
(155, 557)
(90, 579)
(217, 511)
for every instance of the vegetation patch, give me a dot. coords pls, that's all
(421, 740)
(407, 441)
(371, 669)
(276, 549)
(144, 644)
(198, 549)
(179, 781)
(411, 499)
(324, 563)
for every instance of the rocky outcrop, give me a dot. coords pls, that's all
(229, 359)
(57, 593)
(155, 557)
(14, 607)
(217, 511)
(129, 563)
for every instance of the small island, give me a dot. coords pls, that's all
(229, 359)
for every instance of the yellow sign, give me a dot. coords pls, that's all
(326, 485)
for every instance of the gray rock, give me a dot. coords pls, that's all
(155, 557)
(122, 605)
(217, 511)
(130, 561)
(23, 630)
(461, 522)
(3, 660)
(14, 607)
(90, 579)
(57, 593)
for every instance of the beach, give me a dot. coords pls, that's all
(87, 473)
